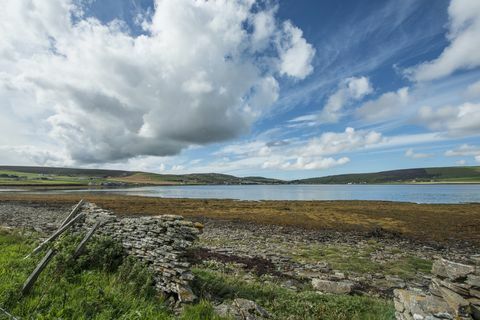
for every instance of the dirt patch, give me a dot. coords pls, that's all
(257, 265)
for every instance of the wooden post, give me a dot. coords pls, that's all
(74, 211)
(56, 234)
(33, 277)
(8, 314)
(82, 244)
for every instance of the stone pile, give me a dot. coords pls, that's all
(454, 293)
(159, 241)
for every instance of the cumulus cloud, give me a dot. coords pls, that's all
(410, 153)
(321, 152)
(349, 90)
(295, 54)
(462, 120)
(464, 37)
(202, 72)
(385, 107)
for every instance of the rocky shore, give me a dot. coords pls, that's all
(376, 263)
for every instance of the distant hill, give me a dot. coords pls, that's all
(418, 175)
(20, 175)
(48, 176)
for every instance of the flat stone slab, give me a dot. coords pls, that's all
(451, 270)
(337, 287)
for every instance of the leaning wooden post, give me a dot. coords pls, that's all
(56, 234)
(33, 277)
(74, 211)
(82, 244)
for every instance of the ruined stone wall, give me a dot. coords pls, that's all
(159, 241)
(454, 293)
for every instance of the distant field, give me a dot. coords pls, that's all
(426, 222)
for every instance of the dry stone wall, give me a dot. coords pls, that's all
(454, 293)
(159, 241)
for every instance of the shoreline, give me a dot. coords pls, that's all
(377, 260)
(428, 223)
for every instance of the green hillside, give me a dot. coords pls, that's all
(419, 175)
(46, 176)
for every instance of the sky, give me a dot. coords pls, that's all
(284, 89)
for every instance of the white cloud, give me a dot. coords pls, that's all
(385, 107)
(349, 90)
(26, 155)
(461, 120)
(338, 142)
(464, 37)
(314, 153)
(302, 163)
(473, 90)
(461, 162)
(410, 153)
(197, 76)
(296, 53)
(465, 150)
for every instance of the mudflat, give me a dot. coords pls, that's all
(440, 223)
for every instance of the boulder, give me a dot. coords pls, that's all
(451, 270)
(338, 287)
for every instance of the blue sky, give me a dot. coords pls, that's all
(285, 89)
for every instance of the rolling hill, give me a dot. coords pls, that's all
(418, 175)
(48, 176)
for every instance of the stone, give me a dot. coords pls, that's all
(475, 309)
(185, 294)
(473, 280)
(459, 288)
(159, 241)
(475, 293)
(451, 270)
(456, 302)
(411, 305)
(242, 309)
(337, 287)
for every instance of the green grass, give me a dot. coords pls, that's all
(8, 177)
(287, 304)
(350, 259)
(419, 175)
(94, 293)
(101, 286)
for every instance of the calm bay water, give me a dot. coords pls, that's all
(440, 193)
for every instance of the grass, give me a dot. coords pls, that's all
(425, 222)
(17, 178)
(100, 286)
(354, 259)
(91, 293)
(287, 304)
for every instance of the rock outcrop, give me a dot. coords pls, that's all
(454, 293)
(159, 241)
